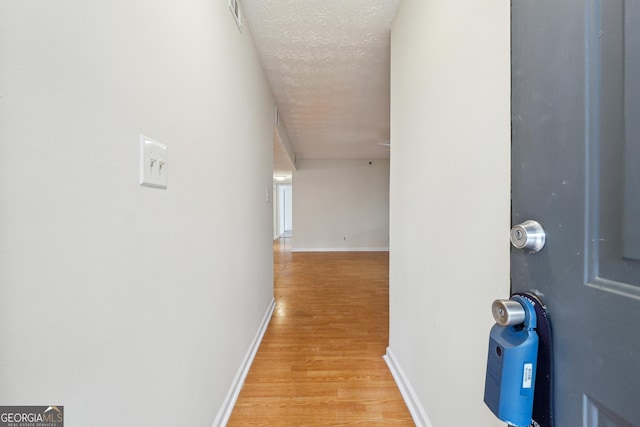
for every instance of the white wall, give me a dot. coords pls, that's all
(341, 205)
(130, 305)
(449, 248)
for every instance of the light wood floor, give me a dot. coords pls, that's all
(320, 362)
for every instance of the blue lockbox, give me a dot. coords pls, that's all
(511, 368)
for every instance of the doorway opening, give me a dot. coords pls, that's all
(284, 210)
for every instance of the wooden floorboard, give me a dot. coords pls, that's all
(320, 362)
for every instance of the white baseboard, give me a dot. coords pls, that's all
(410, 398)
(340, 249)
(230, 400)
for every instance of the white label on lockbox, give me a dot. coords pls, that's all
(526, 375)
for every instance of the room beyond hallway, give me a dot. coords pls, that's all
(320, 361)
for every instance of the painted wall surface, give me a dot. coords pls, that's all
(130, 305)
(449, 247)
(341, 205)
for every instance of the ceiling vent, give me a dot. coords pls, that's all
(234, 7)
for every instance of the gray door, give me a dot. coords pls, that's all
(576, 170)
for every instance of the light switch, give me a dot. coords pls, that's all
(153, 163)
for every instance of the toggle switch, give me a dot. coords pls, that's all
(153, 163)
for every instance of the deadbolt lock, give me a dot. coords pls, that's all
(529, 236)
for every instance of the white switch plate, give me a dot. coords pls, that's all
(153, 163)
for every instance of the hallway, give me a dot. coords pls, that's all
(320, 362)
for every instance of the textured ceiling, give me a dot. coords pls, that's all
(327, 62)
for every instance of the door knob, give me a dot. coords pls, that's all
(507, 312)
(529, 236)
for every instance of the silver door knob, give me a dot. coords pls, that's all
(529, 236)
(507, 312)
